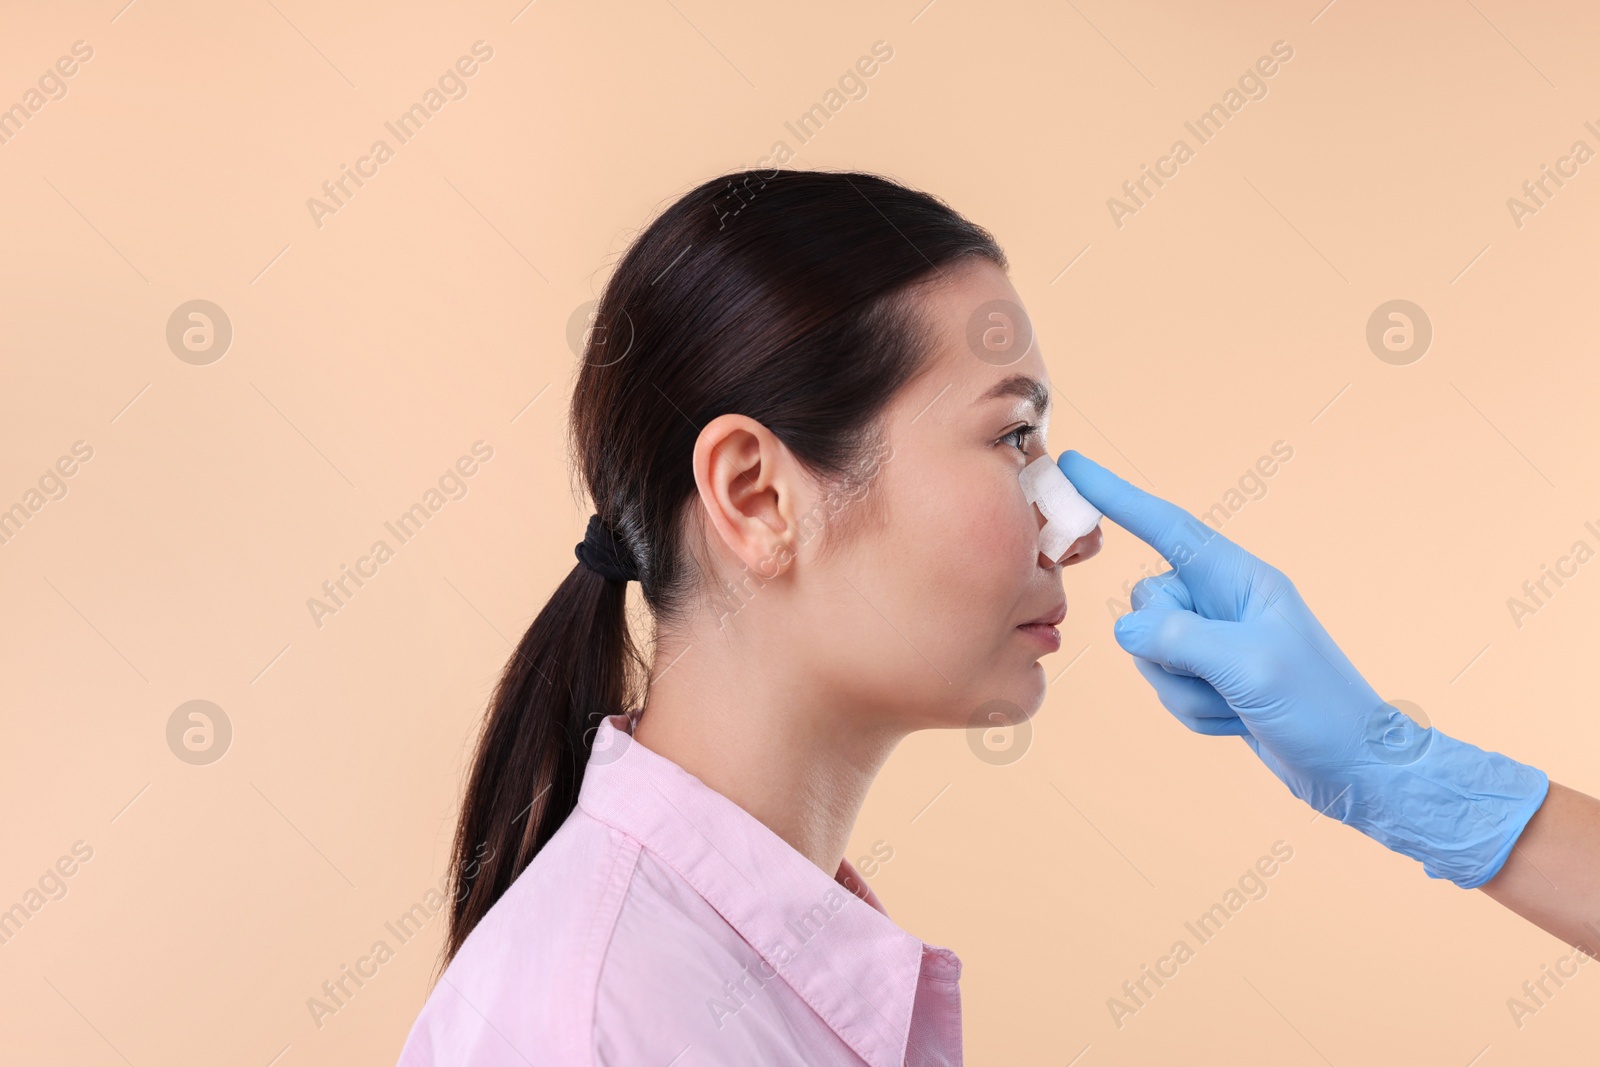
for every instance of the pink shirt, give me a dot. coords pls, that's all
(664, 926)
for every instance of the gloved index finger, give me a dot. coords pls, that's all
(1196, 551)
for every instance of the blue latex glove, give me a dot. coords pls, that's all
(1231, 648)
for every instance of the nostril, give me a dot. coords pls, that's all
(1084, 547)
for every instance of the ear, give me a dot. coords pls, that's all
(751, 488)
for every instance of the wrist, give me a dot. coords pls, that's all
(1449, 804)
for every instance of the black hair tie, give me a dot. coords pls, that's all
(602, 553)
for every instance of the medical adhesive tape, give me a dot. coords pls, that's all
(1068, 516)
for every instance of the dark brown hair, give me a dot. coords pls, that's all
(780, 295)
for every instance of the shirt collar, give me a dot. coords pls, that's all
(830, 939)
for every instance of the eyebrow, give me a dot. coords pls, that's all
(1021, 385)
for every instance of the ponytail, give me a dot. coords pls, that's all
(570, 671)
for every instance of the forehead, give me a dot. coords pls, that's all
(982, 335)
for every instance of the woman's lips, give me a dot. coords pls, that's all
(1045, 634)
(1052, 617)
(1043, 629)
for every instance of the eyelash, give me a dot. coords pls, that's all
(1024, 433)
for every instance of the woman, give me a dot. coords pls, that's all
(814, 476)
(802, 416)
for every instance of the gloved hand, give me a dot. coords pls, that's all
(1231, 648)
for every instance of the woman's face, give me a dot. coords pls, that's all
(920, 608)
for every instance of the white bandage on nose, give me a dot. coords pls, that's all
(1068, 516)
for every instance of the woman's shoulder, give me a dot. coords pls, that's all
(594, 926)
(517, 989)
(678, 977)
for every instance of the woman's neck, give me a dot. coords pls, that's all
(799, 764)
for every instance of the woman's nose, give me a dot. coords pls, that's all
(1079, 550)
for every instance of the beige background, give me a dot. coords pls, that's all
(431, 311)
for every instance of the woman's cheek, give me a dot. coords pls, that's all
(1009, 533)
(1017, 523)
(992, 532)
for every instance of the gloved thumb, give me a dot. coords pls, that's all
(1179, 640)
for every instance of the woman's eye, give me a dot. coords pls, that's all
(1021, 437)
